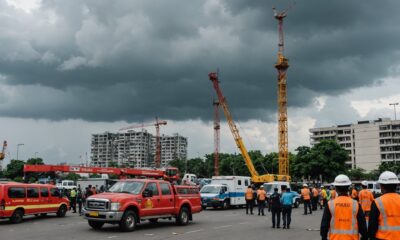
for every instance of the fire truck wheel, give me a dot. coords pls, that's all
(17, 216)
(183, 217)
(128, 221)
(95, 225)
(62, 211)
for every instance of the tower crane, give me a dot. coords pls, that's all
(282, 65)
(3, 151)
(216, 137)
(255, 177)
(157, 124)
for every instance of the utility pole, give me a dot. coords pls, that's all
(18, 145)
(394, 108)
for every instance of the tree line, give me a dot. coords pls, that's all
(324, 161)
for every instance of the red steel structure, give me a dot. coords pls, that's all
(216, 137)
(170, 173)
(157, 124)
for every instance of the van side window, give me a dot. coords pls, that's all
(32, 192)
(54, 192)
(16, 192)
(239, 182)
(165, 190)
(246, 182)
(44, 192)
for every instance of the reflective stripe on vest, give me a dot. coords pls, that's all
(334, 231)
(385, 226)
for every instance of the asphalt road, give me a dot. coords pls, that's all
(209, 224)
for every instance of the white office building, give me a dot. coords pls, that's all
(135, 149)
(369, 143)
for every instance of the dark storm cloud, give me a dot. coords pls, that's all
(132, 60)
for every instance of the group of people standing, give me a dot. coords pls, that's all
(277, 204)
(77, 197)
(346, 216)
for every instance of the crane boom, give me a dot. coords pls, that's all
(255, 177)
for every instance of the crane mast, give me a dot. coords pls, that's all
(216, 137)
(282, 65)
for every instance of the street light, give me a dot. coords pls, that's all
(394, 108)
(18, 145)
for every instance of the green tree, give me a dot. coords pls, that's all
(390, 166)
(35, 161)
(33, 177)
(357, 174)
(15, 169)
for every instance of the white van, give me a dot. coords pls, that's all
(225, 191)
(269, 188)
(374, 187)
(189, 179)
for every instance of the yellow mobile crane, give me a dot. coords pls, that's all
(255, 177)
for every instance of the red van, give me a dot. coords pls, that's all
(20, 199)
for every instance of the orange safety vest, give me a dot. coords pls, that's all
(261, 194)
(249, 194)
(354, 194)
(343, 223)
(389, 217)
(333, 194)
(315, 192)
(365, 197)
(305, 193)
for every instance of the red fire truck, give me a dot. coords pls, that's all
(132, 201)
(20, 199)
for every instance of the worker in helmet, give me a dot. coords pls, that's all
(365, 198)
(343, 217)
(306, 196)
(261, 198)
(354, 193)
(384, 218)
(249, 200)
(314, 199)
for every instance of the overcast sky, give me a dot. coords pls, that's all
(72, 68)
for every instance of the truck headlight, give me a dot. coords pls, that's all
(114, 206)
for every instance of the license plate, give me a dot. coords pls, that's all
(93, 214)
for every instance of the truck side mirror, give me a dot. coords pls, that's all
(147, 193)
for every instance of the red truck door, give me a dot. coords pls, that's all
(167, 199)
(151, 205)
(32, 200)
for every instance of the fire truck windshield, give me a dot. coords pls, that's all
(127, 187)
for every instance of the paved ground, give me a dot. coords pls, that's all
(210, 224)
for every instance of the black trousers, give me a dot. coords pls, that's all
(73, 204)
(261, 206)
(314, 203)
(287, 215)
(276, 217)
(80, 207)
(249, 205)
(307, 204)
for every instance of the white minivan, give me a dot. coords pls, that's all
(269, 188)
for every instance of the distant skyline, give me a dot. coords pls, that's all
(72, 68)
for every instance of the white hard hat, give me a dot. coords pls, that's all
(304, 185)
(388, 177)
(342, 180)
(364, 183)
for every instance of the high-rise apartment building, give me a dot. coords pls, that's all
(135, 149)
(369, 143)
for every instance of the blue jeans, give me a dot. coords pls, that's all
(286, 215)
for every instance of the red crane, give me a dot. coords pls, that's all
(216, 137)
(157, 124)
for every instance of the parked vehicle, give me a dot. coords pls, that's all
(19, 199)
(189, 179)
(224, 192)
(132, 201)
(269, 188)
(66, 185)
(100, 183)
(375, 188)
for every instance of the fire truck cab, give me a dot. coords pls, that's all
(19, 199)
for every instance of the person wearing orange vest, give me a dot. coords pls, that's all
(261, 197)
(384, 218)
(306, 196)
(249, 200)
(314, 200)
(333, 193)
(343, 218)
(365, 197)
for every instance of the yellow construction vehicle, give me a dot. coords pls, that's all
(255, 177)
